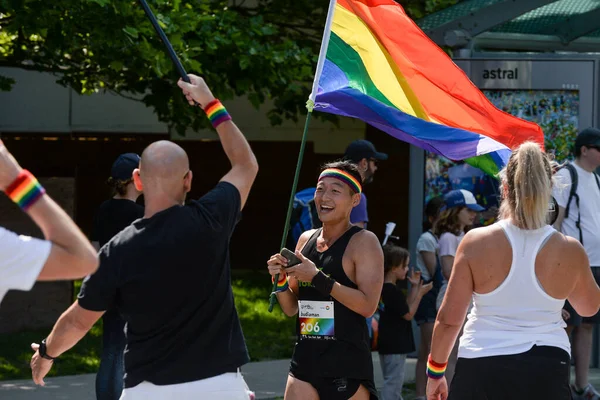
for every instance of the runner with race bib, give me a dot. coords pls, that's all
(333, 282)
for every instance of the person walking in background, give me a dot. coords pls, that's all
(578, 196)
(396, 313)
(429, 268)
(458, 213)
(363, 153)
(366, 157)
(114, 215)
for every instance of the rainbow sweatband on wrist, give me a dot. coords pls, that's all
(282, 283)
(342, 176)
(216, 112)
(435, 370)
(25, 190)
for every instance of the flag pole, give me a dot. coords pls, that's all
(310, 105)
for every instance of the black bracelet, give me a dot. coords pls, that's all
(323, 283)
(42, 351)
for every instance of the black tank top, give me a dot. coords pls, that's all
(329, 347)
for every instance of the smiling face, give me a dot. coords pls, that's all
(334, 200)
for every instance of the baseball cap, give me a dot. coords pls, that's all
(461, 197)
(122, 168)
(360, 149)
(588, 137)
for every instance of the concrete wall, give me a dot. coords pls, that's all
(38, 104)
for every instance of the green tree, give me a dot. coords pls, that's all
(258, 48)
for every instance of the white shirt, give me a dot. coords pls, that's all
(448, 245)
(427, 242)
(21, 261)
(518, 314)
(589, 203)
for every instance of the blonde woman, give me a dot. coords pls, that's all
(518, 272)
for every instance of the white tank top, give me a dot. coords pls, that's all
(518, 314)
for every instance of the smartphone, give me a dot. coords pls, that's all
(290, 257)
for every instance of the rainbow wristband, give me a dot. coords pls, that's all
(282, 283)
(25, 190)
(435, 370)
(216, 112)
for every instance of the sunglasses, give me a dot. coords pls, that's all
(374, 161)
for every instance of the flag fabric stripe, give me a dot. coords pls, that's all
(381, 68)
(374, 61)
(434, 76)
(348, 62)
(350, 102)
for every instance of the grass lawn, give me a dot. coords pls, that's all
(268, 335)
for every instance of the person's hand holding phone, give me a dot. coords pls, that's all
(277, 264)
(305, 271)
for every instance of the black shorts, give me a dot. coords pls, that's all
(337, 388)
(576, 319)
(540, 373)
(427, 312)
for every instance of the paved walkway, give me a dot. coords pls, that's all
(267, 379)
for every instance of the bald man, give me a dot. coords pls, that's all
(168, 274)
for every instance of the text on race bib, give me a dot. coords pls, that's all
(316, 319)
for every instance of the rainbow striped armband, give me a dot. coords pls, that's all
(25, 190)
(282, 283)
(435, 370)
(216, 113)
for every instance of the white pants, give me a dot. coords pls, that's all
(228, 386)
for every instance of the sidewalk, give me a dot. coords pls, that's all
(267, 379)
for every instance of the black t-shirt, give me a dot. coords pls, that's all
(169, 276)
(112, 217)
(395, 333)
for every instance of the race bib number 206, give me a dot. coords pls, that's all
(316, 319)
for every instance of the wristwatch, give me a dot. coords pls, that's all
(43, 353)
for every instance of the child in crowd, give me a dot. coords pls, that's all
(396, 312)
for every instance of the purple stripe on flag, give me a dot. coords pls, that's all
(453, 143)
(332, 78)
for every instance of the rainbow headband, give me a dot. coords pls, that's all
(342, 176)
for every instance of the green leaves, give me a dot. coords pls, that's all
(263, 49)
(131, 31)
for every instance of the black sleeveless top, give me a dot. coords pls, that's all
(335, 344)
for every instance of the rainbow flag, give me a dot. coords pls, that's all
(378, 66)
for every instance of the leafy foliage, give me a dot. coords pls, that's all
(264, 49)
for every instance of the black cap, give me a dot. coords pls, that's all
(587, 137)
(122, 168)
(360, 149)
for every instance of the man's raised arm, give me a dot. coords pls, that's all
(244, 166)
